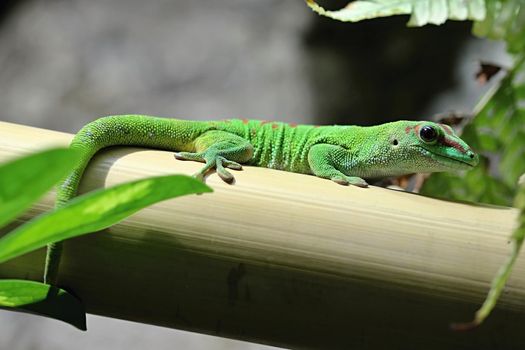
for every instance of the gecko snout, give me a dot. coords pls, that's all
(474, 158)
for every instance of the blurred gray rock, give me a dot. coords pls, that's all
(64, 63)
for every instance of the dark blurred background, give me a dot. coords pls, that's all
(64, 63)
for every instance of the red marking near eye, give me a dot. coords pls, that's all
(451, 143)
(265, 122)
(407, 130)
(292, 125)
(245, 121)
(447, 128)
(274, 126)
(317, 126)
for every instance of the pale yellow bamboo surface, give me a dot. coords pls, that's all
(287, 259)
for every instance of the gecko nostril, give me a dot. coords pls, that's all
(471, 155)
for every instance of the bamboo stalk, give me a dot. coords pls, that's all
(286, 259)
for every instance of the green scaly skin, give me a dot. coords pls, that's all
(344, 154)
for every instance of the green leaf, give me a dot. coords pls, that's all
(505, 20)
(422, 11)
(24, 180)
(42, 299)
(498, 283)
(497, 131)
(95, 211)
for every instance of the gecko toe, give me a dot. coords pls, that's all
(226, 176)
(199, 176)
(189, 156)
(340, 181)
(350, 180)
(232, 165)
(357, 181)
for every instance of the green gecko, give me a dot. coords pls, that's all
(344, 154)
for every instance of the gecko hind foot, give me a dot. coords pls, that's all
(216, 162)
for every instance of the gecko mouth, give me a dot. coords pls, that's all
(457, 161)
(449, 161)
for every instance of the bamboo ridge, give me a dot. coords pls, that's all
(285, 259)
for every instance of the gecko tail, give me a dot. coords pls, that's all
(121, 130)
(65, 191)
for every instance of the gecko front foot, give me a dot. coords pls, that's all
(216, 162)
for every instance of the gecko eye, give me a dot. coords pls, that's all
(428, 134)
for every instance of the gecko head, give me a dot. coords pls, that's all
(433, 147)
